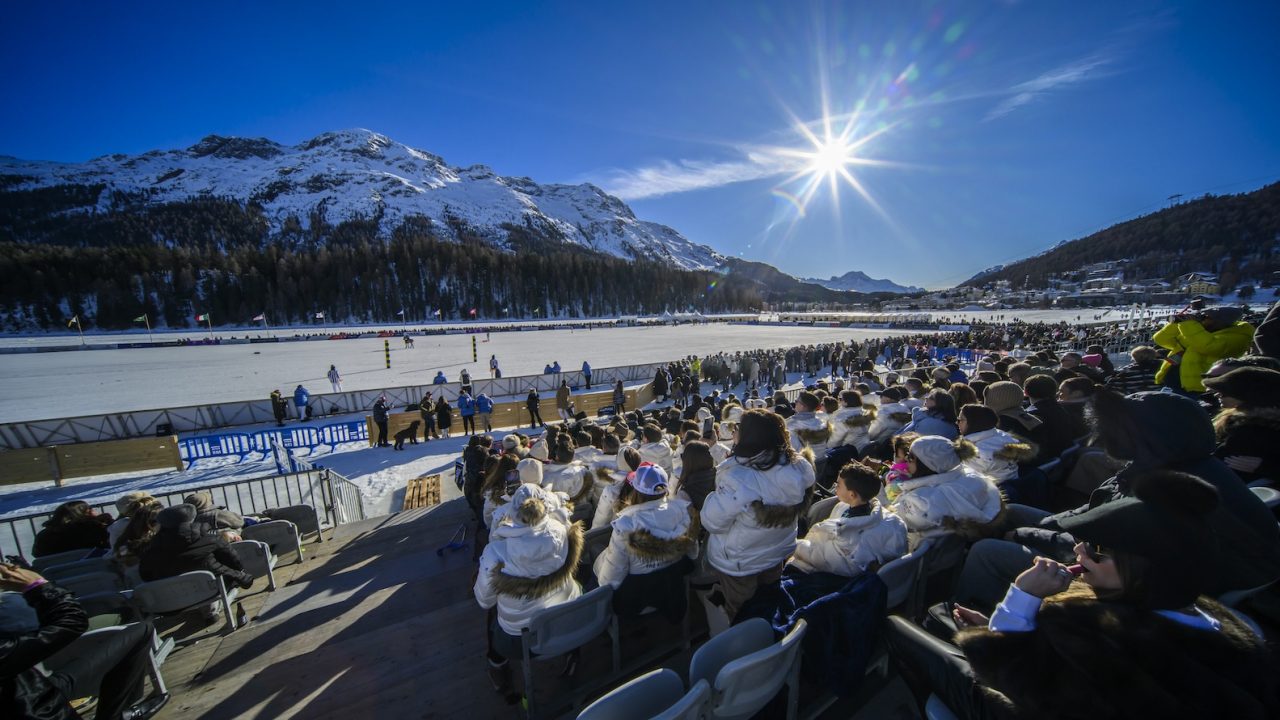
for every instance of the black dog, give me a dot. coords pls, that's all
(410, 433)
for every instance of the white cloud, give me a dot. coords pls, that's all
(669, 177)
(1074, 73)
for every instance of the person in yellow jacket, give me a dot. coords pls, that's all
(1196, 342)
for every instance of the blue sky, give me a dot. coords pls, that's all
(975, 133)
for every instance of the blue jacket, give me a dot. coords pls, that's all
(301, 397)
(926, 423)
(439, 380)
(466, 405)
(586, 369)
(484, 403)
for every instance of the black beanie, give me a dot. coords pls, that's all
(1166, 523)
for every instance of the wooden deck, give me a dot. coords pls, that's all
(373, 624)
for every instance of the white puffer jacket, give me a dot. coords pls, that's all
(659, 453)
(886, 424)
(752, 515)
(720, 451)
(855, 433)
(568, 478)
(527, 567)
(998, 454)
(960, 494)
(807, 423)
(848, 546)
(604, 506)
(646, 538)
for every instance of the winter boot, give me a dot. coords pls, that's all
(500, 677)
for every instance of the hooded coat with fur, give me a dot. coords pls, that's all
(529, 562)
(648, 537)
(809, 430)
(1095, 660)
(573, 479)
(659, 453)
(998, 454)
(850, 426)
(937, 504)
(752, 514)
(889, 420)
(849, 545)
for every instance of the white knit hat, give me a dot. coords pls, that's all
(937, 452)
(530, 471)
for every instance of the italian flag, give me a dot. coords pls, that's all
(202, 318)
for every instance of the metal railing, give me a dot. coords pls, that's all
(336, 499)
(145, 423)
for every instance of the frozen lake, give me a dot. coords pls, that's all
(63, 384)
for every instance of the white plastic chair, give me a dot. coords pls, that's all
(47, 561)
(562, 628)
(281, 536)
(1268, 495)
(746, 668)
(79, 567)
(92, 655)
(901, 576)
(693, 706)
(639, 699)
(172, 595)
(257, 559)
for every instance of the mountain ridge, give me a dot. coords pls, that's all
(858, 281)
(358, 173)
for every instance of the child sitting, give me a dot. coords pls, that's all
(859, 534)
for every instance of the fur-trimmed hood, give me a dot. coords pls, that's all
(854, 417)
(572, 479)
(659, 531)
(961, 500)
(895, 411)
(1093, 659)
(538, 559)
(1000, 445)
(1262, 418)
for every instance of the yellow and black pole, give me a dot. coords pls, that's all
(473, 349)
(386, 350)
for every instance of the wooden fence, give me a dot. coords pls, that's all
(58, 462)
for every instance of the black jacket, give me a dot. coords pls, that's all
(183, 545)
(1098, 660)
(24, 691)
(1168, 432)
(1058, 429)
(1253, 433)
(1135, 377)
(88, 533)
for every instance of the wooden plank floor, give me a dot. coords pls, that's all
(375, 625)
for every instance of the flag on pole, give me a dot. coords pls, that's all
(260, 316)
(75, 320)
(401, 312)
(140, 318)
(473, 311)
(202, 317)
(319, 316)
(439, 313)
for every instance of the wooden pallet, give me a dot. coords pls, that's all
(422, 492)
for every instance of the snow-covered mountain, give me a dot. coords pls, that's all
(857, 281)
(360, 173)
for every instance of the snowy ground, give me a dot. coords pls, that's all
(64, 384)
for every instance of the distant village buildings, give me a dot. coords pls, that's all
(1101, 284)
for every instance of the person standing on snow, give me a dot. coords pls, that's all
(301, 398)
(335, 380)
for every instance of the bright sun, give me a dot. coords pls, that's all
(831, 157)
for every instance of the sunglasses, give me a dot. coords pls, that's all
(1096, 552)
